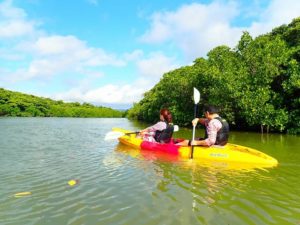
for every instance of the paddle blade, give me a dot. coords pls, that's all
(196, 96)
(113, 135)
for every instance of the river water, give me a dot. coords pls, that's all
(121, 185)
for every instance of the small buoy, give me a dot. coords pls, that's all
(22, 194)
(73, 182)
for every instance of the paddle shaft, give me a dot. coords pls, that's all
(127, 133)
(194, 131)
(132, 132)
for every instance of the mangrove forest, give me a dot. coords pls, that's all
(255, 84)
(24, 105)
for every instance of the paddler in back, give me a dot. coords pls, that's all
(216, 129)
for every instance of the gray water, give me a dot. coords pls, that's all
(121, 185)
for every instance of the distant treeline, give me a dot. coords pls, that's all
(256, 84)
(24, 105)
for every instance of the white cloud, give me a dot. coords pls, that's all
(112, 94)
(133, 56)
(282, 11)
(197, 28)
(74, 48)
(277, 13)
(56, 45)
(92, 74)
(53, 55)
(155, 65)
(14, 22)
(15, 28)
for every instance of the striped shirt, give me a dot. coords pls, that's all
(212, 128)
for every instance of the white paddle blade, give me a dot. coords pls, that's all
(112, 135)
(176, 128)
(196, 96)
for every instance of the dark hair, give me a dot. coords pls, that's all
(166, 115)
(211, 109)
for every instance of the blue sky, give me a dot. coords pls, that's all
(109, 52)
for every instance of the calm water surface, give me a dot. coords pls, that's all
(120, 185)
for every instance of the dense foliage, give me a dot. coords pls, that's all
(18, 104)
(256, 84)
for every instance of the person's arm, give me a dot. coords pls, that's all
(203, 121)
(158, 126)
(212, 129)
(199, 120)
(142, 132)
(145, 131)
(201, 142)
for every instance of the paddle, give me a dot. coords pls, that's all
(196, 101)
(112, 135)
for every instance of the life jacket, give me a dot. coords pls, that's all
(222, 134)
(164, 136)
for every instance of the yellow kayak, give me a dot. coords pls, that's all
(228, 153)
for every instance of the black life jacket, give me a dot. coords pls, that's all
(223, 133)
(164, 136)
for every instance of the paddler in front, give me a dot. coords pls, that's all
(216, 129)
(160, 132)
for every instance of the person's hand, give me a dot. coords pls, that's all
(143, 132)
(195, 121)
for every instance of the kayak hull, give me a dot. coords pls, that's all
(228, 153)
